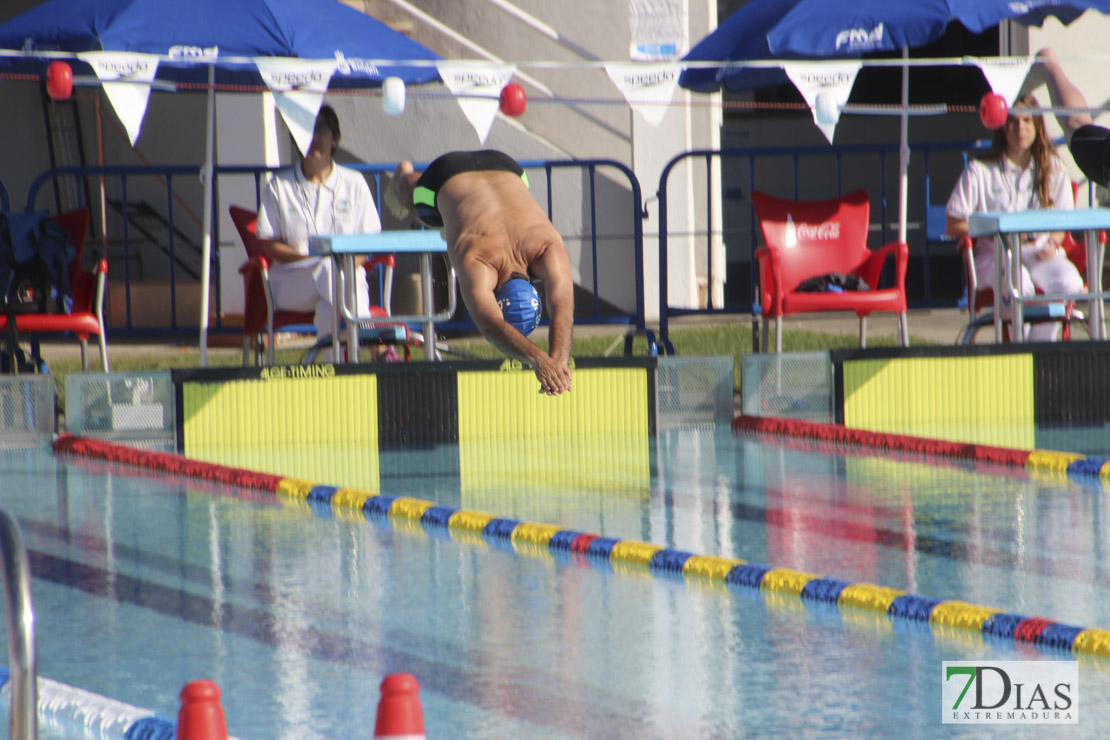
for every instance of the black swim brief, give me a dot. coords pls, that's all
(1090, 148)
(426, 191)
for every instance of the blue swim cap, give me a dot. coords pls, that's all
(520, 305)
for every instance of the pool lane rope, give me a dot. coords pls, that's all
(554, 541)
(1072, 465)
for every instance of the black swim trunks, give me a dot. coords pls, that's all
(426, 191)
(1090, 148)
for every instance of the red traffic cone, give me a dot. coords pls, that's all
(201, 717)
(399, 714)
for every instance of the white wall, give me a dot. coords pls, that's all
(590, 32)
(249, 134)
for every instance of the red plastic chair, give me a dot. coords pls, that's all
(806, 239)
(261, 318)
(87, 314)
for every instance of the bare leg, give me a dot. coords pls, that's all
(1063, 93)
(1089, 144)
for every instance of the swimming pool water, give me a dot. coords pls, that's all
(142, 583)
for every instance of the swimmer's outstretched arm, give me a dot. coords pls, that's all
(553, 267)
(477, 282)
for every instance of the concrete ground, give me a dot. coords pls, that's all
(938, 326)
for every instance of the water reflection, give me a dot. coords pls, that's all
(333, 463)
(582, 480)
(989, 535)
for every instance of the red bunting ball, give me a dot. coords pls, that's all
(993, 111)
(59, 80)
(513, 99)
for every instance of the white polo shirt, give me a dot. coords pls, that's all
(1000, 185)
(293, 209)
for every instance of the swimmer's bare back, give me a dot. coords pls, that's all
(491, 217)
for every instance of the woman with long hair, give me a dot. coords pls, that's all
(1021, 172)
(316, 197)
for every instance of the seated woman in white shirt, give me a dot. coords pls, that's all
(1022, 172)
(316, 197)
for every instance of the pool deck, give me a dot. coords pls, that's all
(938, 326)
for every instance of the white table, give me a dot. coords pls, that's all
(1007, 229)
(343, 248)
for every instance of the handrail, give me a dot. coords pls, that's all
(540, 27)
(124, 172)
(90, 171)
(20, 612)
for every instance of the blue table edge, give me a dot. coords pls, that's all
(386, 241)
(987, 223)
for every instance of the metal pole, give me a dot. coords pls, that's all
(206, 239)
(351, 289)
(21, 630)
(428, 302)
(904, 149)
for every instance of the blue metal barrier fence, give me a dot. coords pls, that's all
(121, 182)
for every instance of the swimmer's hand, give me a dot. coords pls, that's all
(554, 376)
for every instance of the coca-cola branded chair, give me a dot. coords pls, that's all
(814, 257)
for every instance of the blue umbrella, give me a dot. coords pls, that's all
(816, 29)
(236, 29)
(820, 29)
(213, 41)
(823, 30)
